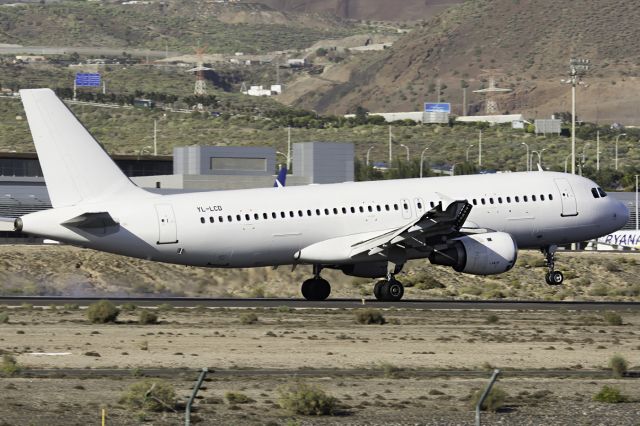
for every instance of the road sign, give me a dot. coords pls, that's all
(88, 80)
(437, 107)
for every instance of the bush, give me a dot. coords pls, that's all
(248, 318)
(150, 395)
(610, 395)
(4, 318)
(492, 319)
(618, 366)
(307, 400)
(236, 398)
(612, 318)
(102, 312)
(493, 402)
(147, 317)
(9, 365)
(128, 307)
(369, 316)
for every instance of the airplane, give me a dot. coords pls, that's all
(474, 224)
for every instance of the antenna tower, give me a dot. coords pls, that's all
(491, 103)
(200, 88)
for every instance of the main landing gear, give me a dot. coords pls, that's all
(389, 290)
(316, 288)
(552, 277)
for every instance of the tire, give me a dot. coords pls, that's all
(377, 289)
(316, 289)
(395, 291)
(556, 278)
(547, 278)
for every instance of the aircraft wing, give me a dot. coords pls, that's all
(435, 222)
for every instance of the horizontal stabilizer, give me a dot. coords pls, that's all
(91, 221)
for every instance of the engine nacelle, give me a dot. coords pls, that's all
(368, 270)
(479, 254)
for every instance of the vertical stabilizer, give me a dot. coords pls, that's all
(75, 167)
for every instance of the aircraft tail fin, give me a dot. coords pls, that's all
(75, 166)
(281, 178)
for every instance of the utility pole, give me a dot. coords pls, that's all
(439, 84)
(637, 203)
(390, 147)
(464, 101)
(577, 68)
(480, 149)
(289, 148)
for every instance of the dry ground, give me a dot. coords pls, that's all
(393, 354)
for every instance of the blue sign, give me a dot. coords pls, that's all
(437, 107)
(88, 80)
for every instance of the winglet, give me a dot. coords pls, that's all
(281, 179)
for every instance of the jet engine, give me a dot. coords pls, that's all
(479, 254)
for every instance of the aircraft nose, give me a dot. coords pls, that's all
(620, 214)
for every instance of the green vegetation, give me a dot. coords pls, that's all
(390, 371)
(147, 317)
(248, 318)
(618, 366)
(307, 400)
(493, 402)
(369, 316)
(4, 317)
(9, 365)
(610, 395)
(613, 318)
(150, 395)
(492, 319)
(237, 398)
(102, 312)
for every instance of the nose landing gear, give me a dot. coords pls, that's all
(552, 277)
(316, 288)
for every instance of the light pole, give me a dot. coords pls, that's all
(453, 169)
(577, 68)
(422, 159)
(539, 153)
(470, 146)
(586, 145)
(155, 137)
(598, 150)
(618, 137)
(637, 203)
(479, 149)
(407, 148)
(390, 147)
(566, 161)
(286, 158)
(289, 148)
(143, 150)
(527, 145)
(368, 152)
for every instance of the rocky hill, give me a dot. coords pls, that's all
(526, 46)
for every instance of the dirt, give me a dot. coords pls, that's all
(393, 354)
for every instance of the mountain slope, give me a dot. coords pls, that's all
(525, 45)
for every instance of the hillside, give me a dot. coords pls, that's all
(523, 44)
(381, 10)
(175, 25)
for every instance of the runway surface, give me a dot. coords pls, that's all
(190, 302)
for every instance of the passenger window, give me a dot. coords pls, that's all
(482, 201)
(202, 220)
(420, 206)
(370, 209)
(229, 218)
(550, 197)
(238, 217)
(326, 212)
(601, 192)
(300, 214)
(524, 198)
(283, 215)
(265, 216)
(533, 198)
(432, 204)
(517, 199)
(335, 210)
(353, 209)
(361, 209)
(344, 210)
(247, 217)
(405, 206)
(386, 207)
(541, 197)
(211, 219)
(499, 200)
(274, 215)
(508, 199)
(475, 202)
(291, 214)
(490, 200)
(220, 219)
(378, 208)
(395, 207)
(256, 216)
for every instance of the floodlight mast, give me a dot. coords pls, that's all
(577, 69)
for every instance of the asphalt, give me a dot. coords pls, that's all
(193, 302)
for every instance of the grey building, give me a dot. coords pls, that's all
(324, 162)
(224, 160)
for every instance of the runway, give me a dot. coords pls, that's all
(194, 302)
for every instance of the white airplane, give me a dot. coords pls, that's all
(474, 224)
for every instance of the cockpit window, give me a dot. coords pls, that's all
(601, 192)
(594, 191)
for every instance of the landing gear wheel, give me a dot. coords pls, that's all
(316, 289)
(555, 278)
(395, 290)
(377, 289)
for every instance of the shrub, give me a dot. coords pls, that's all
(389, 370)
(102, 312)
(610, 395)
(492, 319)
(248, 318)
(128, 307)
(284, 309)
(369, 316)
(150, 395)
(493, 402)
(147, 317)
(618, 366)
(4, 318)
(9, 365)
(307, 400)
(236, 398)
(612, 318)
